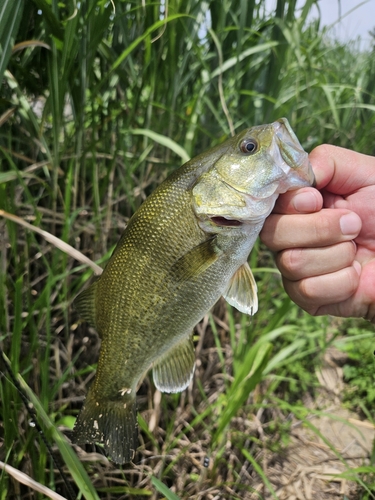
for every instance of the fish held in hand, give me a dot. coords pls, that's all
(186, 246)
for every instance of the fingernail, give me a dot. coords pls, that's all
(350, 224)
(305, 202)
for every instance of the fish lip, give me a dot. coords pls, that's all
(284, 123)
(299, 158)
(285, 136)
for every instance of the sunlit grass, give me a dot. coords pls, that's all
(91, 121)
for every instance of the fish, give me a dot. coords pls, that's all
(185, 247)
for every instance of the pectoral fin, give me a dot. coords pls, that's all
(242, 291)
(196, 261)
(174, 371)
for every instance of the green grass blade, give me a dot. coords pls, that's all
(260, 471)
(10, 18)
(229, 63)
(247, 377)
(50, 17)
(164, 141)
(144, 36)
(161, 488)
(283, 355)
(329, 92)
(71, 460)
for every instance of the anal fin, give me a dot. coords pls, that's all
(242, 291)
(173, 371)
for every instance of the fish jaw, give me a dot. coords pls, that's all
(293, 160)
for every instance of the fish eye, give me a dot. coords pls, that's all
(249, 146)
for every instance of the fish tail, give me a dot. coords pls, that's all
(112, 423)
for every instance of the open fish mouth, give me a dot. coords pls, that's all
(223, 221)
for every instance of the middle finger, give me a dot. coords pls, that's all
(299, 263)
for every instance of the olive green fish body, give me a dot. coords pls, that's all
(186, 246)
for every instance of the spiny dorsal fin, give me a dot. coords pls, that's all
(196, 261)
(242, 291)
(174, 370)
(85, 304)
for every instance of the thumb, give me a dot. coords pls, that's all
(341, 171)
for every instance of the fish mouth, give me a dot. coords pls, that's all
(291, 151)
(224, 222)
(288, 144)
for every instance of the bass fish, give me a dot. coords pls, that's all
(184, 248)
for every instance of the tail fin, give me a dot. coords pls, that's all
(112, 423)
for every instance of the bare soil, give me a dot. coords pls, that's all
(339, 440)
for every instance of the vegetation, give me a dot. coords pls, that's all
(100, 101)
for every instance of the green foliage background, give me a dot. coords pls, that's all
(99, 101)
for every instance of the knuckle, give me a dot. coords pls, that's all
(349, 249)
(297, 292)
(352, 280)
(323, 227)
(307, 290)
(268, 234)
(290, 262)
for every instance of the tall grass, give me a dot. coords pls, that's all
(100, 101)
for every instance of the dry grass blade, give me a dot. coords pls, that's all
(90, 125)
(61, 245)
(30, 43)
(220, 83)
(23, 478)
(6, 115)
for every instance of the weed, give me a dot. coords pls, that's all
(100, 101)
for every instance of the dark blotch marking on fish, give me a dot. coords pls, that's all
(222, 221)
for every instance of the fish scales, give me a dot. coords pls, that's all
(186, 246)
(149, 269)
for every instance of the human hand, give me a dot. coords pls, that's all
(313, 232)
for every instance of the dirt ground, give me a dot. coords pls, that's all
(309, 468)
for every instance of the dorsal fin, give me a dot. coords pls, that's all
(242, 291)
(85, 304)
(173, 371)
